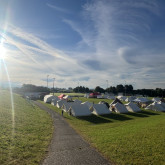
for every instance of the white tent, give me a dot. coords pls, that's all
(118, 108)
(156, 99)
(86, 95)
(100, 109)
(141, 100)
(122, 98)
(100, 97)
(48, 98)
(155, 107)
(162, 104)
(87, 103)
(111, 97)
(67, 105)
(129, 99)
(67, 97)
(77, 101)
(79, 110)
(54, 101)
(131, 107)
(60, 103)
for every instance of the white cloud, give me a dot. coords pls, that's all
(114, 47)
(59, 9)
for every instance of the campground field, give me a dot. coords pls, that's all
(25, 131)
(133, 138)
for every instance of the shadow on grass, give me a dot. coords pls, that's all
(120, 117)
(137, 114)
(148, 113)
(95, 119)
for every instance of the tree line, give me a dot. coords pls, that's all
(125, 89)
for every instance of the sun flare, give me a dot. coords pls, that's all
(2, 52)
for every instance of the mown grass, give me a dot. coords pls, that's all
(133, 138)
(25, 139)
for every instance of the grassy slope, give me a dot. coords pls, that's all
(134, 138)
(28, 141)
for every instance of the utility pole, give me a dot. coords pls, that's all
(47, 80)
(125, 87)
(107, 83)
(53, 85)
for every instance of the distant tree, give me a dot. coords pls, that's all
(81, 89)
(120, 88)
(99, 89)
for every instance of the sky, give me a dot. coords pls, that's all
(83, 42)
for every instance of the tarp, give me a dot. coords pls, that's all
(155, 107)
(79, 110)
(118, 108)
(48, 98)
(131, 107)
(100, 109)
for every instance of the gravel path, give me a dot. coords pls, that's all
(67, 147)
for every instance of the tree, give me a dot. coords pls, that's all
(120, 88)
(99, 89)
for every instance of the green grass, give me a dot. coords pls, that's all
(26, 140)
(134, 138)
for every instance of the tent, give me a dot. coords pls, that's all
(54, 101)
(131, 107)
(141, 100)
(67, 97)
(103, 102)
(116, 101)
(60, 103)
(162, 104)
(111, 97)
(88, 104)
(86, 95)
(79, 110)
(100, 109)
(61, 96)
(155, 107)
(122, 98)
(77, 101)
(67, 105)
(118, 108)
(94, 95)
(129, 99)
(156, 99)
(48, 98)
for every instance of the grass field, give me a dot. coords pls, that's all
(134, 138)
(24, 139)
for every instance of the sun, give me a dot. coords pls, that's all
(2, 52)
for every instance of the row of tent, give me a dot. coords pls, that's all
(77, 108)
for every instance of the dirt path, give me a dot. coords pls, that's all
(67, 147)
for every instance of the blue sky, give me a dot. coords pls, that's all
(85, 42)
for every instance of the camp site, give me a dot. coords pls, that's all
(82, 82)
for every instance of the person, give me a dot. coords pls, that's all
(62, 112)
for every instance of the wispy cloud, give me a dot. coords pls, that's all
(59, 9)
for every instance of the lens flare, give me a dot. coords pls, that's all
(2, 52)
